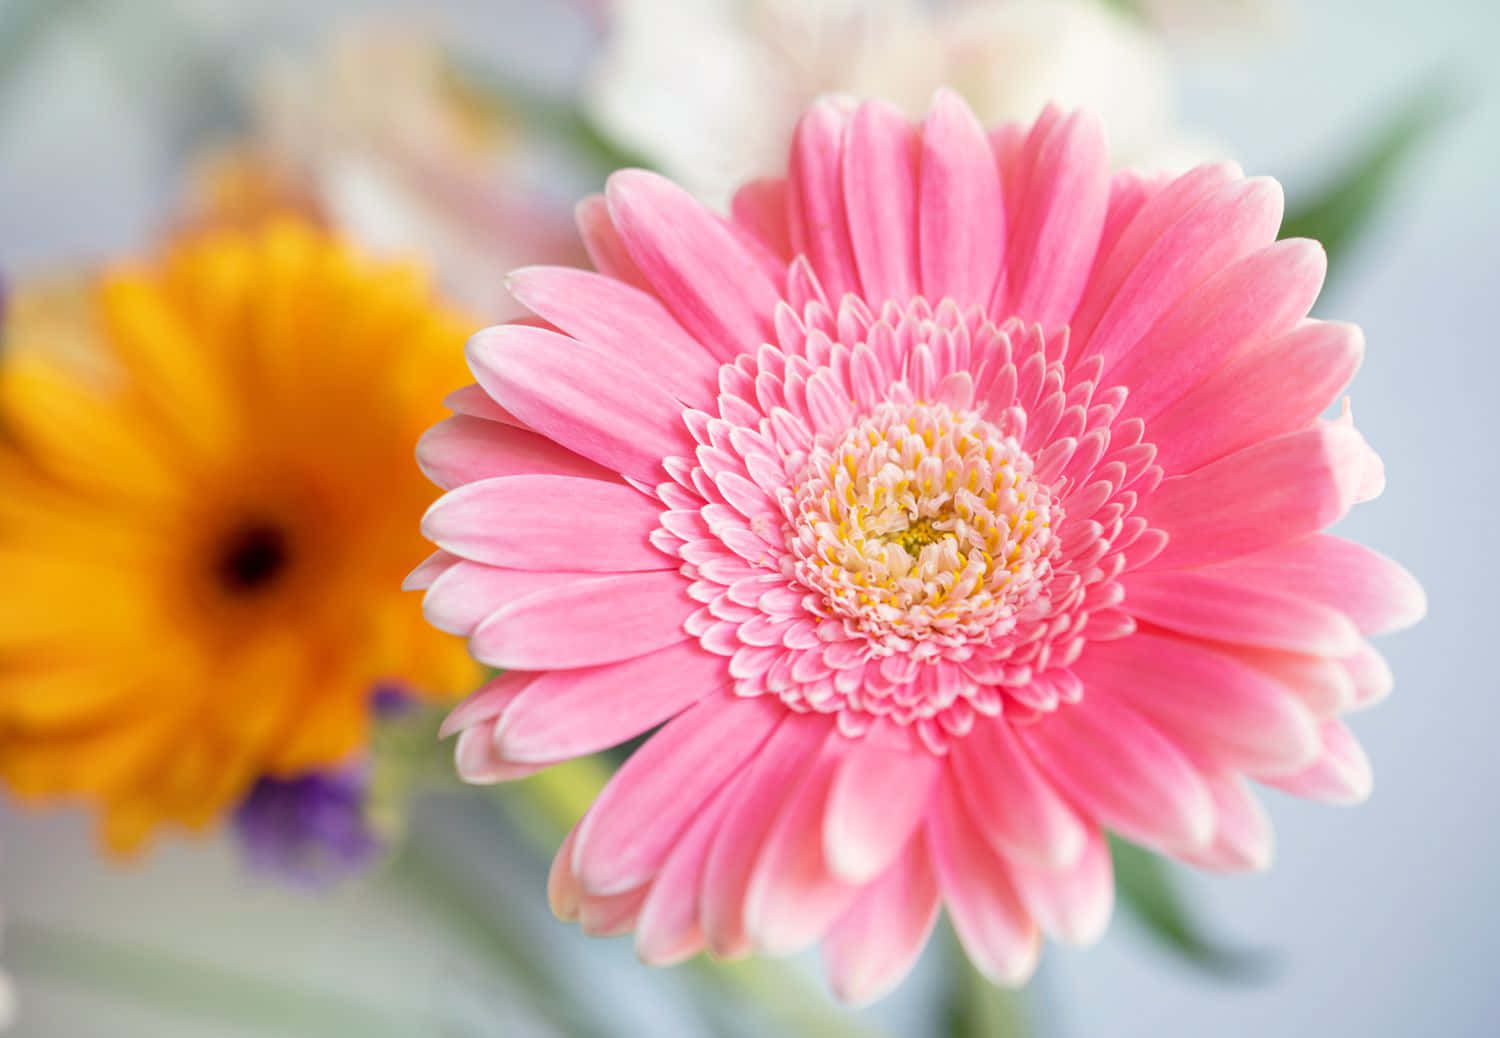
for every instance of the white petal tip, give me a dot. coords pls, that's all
(668, 951)
(848, 861)
(1013, 974)
(452, 725)
(858, 991)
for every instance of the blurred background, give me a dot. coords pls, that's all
(464, 131)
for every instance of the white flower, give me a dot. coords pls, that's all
(1214, 18)
(710, 89)
(397, 152)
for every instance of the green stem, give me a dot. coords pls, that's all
(977, 1008)
(563, 120)
(783, 995)
(193, 988)
(1147, 890)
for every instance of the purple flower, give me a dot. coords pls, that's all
(310, 829)
(391, 699)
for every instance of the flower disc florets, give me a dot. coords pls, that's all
(924, 529)
(932, 550)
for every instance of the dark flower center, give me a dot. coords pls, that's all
(253, 558)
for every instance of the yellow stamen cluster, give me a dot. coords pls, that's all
(924, 523)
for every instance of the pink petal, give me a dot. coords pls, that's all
(1209, 604)
(1141, 211)
(772, 265)
(995, 929)
(604, 245)
(782, 764)
(1251, 399)
(610, 916)
(1059, 221)
(1341, 775)
(1012, 803)
(1376, 593)
(432, 567)
(815, 198)
(637, 819)
(1208, 701)
(592, 403)
(1371, 676)
(793, 897)
(760, 207)
(1243, 838)
(1128, 192)
(1321, 683)
(1253, 300)
(880, 193)
(668, 930)
(1181, 237)
(1372, 479)
(696, 266)
(478, 762)
(564, 894)
(622, 321)
(549, 522)
(1008, 142)
(473, 401)
(487, 703)
(1123, 771)
(1073, 903)
(880, 795)
(466, 594)
(463, 450)
(616, 617)
(960, 217)
(1276, 491)
(569, 713)
(878, 938)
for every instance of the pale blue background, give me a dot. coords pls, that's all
(1386, 919)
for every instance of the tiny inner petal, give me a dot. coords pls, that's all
(922, 523)
(897, 540)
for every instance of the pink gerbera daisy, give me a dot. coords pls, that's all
(952, 502)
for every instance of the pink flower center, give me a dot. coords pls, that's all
(918, 515)
(924, 527)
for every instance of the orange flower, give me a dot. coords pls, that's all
(205, 517)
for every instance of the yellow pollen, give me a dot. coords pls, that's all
(918, 536)
(915, 476)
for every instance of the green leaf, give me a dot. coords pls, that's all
(25, 24)
(1145, 888)
(562, 120)
(596, 145)
(1127, 7)
(1339, 212)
